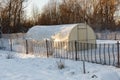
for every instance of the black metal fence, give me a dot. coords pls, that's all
(106, 54)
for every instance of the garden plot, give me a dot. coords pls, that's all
(30, 67)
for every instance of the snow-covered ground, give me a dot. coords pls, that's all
(106, 41)
(30, 67)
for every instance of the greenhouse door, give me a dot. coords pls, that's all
(81, 33)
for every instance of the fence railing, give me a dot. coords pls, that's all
(107, 54)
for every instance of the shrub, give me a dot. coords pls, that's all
(9, 56)
(60, 64)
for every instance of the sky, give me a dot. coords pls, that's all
(37, 3)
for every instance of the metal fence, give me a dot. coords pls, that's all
(107, 54)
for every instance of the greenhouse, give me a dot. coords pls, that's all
(81, 32)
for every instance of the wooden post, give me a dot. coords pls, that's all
(109, 53)
(100, 53)
(76, 50)
(84, 71)
(26, 46)
(104, 55)
(10, 44)
(47, 47)
(91, 53)
(118, 54)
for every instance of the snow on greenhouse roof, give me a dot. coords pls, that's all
(46, 32)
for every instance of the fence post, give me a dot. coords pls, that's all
(76, 50)
(26, 46)
(118, 54)
(104, 55)
(84, 70)
(10, 44)
(47, 47)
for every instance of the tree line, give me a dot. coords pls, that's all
(12, 16)
(100, 14)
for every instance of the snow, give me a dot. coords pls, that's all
(34, 67)
(109, 75)
(106, 41)
(31, 67)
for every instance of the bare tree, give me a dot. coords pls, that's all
(35, 14)
(97, 13)
(103, 14)
(11, 15)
